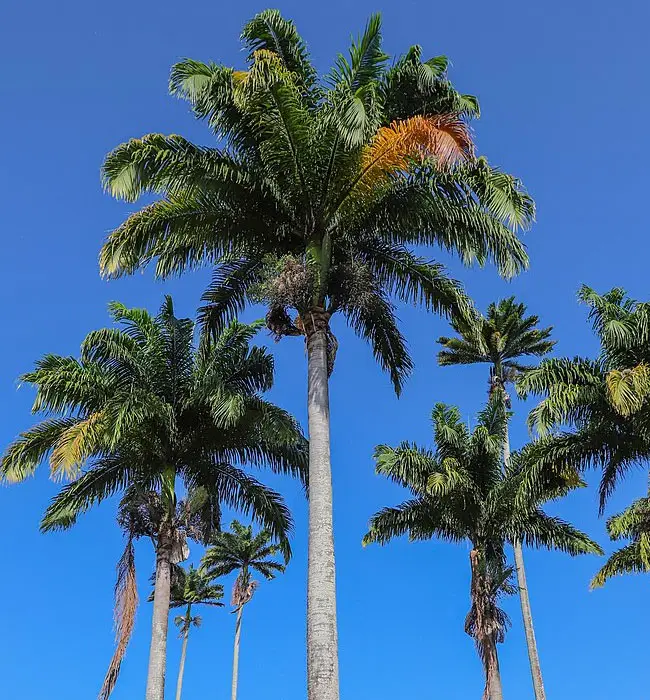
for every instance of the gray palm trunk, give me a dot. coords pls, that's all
(181, 667)
(322, 638)
(160, 622)
(526, 613)
(494, 687)
(235, 657)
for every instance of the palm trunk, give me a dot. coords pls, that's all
(483, 633)
(322, 638)
(181, 667)
(526, 613)
(160, 622)
(493, 671)
(235, 657)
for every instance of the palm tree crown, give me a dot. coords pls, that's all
(191, 587)
(242, 551)
(318, 189)
(597, 411)
(143, 406)
(500, 338)
(460, 491)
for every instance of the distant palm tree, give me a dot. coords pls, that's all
(501, 339)
(634, 524)
(241, 551)
(312, 201)
(461, 493)
(190, 588)
(144, 409)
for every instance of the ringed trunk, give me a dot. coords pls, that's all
(322, 637)
(160, 621)
(181, 667)
(526, 612)
(235, 657)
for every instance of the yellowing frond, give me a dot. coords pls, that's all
(628, 388)
(73, 447)
(445, 138)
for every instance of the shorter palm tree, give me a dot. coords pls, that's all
(146, 407)
(241, 551)
(461, 493)
(191, 587)
(634, 524)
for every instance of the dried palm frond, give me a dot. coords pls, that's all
(445, 138)
(126, 604)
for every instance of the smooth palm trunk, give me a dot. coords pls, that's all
(527, 615)
(158, 648)
(181, 667)
(322, 638)
(235, 656)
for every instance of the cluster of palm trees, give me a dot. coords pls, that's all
(313, 203)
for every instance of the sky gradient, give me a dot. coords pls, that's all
(560, 86)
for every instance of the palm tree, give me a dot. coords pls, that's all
(144, 408)
(244, 552)
(190, 588)
(501, 338)
(311, 205)
(597, 412)
(460, 492)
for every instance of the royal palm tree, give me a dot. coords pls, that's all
(143, 407)
(190, 587)
(597, 412)
(461, 493)
(501, 339)
(242, 551)
(310, 205)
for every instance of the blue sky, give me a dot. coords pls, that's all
(561, 88)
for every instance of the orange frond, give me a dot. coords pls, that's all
(444, 138)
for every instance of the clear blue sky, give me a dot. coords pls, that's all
(563, 87)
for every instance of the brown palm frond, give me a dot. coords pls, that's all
(126, 604)
(445, 138)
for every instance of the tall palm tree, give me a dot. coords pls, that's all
(501, 339)
(596, 412)
(311, 205)
(460, 492)
(190, 587)
(244, 552)
(143, 407)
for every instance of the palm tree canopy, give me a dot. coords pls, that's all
(242, 549)
(460, 492)
(318, 188)
(596, 412)
(500, 338)
(192, 587)
(633, 524)
(143, 406)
